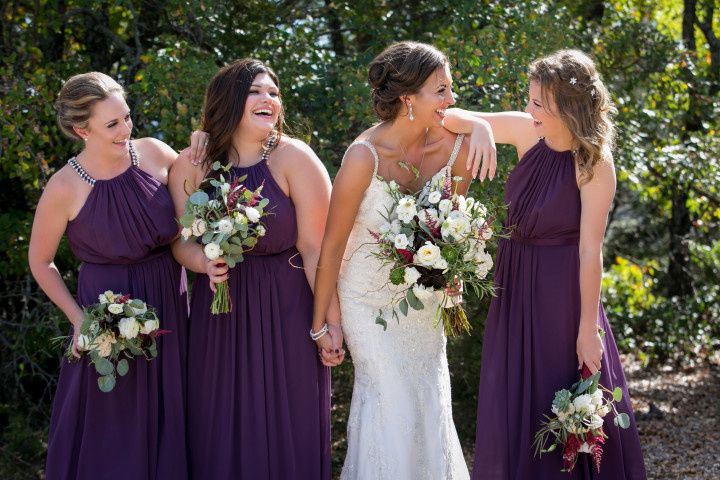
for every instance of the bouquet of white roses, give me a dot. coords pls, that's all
(228, 225)
(433, 241)
(577, 424)
(115, 330)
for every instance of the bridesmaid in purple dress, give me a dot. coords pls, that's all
(258, 394)
(543, 324)
(112, 202)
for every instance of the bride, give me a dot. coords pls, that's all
(400, 424)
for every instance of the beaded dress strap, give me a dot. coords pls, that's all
(372, 150)
(456, 149)
(81, 171)
(134, 157)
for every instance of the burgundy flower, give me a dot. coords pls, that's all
(406, 254)
(572, 446)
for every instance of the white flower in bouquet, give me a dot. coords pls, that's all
(422, 292)
(214, 204)
(225, 226)
(115, 308)
(411, 275)
(240, 218)
(129, 328)
(427, 255)
(583, 403)
(469, 203)
(252, 214)
(604, 410)
(139, 310)
(212, 251)
(475, 246)
(434, 197)
(83, 342)
(401, 241)
(597, 398)
(186, 233)
(486, 233)
(427, 212)
(225, 188)
(441, 264)
(391, 186)
(260, 231)
(149, 326)
(445, 206)
(395, 226)
(198, 227)
(405, 209)
(461, 202)
(103, 344)
(455, 226)
(480, 209)
(596, 421)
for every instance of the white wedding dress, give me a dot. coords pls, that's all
(400, 425)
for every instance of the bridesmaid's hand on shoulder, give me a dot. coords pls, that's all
(198, 147)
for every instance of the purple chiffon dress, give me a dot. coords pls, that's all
(258, 396)
(531, 331)
(136, 431)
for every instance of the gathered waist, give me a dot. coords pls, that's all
(545, 242)
(153, 255)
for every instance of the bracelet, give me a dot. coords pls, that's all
(320, 333)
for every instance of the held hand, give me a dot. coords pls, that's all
(217, 272)
(455, 291)
(336, 355)
(482, 154)
(76, 333)
(198, 146)
(589, 347)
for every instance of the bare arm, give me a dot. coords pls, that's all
(350, 184)
(51, 218)
(513, 128)
(596, 197)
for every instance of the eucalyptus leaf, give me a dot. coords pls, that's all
(413, 301)
(622, 420)
(381, 321)
(617, 394)
(263, 203)
(230, 261)
(199, 198)
(103, 366)
(122, 367)
(404, 306)
(187, 220)
(106, 383)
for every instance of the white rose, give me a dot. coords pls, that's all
(411, 275)
(212, 251)
(225, 226)
(395, 226)
(427, 255)
(252, 214)
(149, 326)
(445, 206)
(486, 233)
(115, 308)
(82, 342)
(260, 231)
(422, 293)
(185, 233)
(596, 422)
(434, 197)
(401, 241)
(198, 227)
(441, 264)
(129, 328)
(583, 403)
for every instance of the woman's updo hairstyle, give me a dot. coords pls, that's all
(77, 97)
(401, 69)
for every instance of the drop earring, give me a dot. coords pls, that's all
(411, 117)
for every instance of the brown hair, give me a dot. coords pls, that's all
(582, 102)
(78, 95)
(224, 105)
(401, 69)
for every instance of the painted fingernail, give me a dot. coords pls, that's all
(337, 350)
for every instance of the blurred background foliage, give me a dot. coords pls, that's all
(661, 60)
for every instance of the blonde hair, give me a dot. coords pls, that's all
(78, 95)
(583, 103)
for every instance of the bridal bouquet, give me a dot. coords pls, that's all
(115, 330)
(228, 224)
(435, 240)
(577, 424)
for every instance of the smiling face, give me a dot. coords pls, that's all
(109, 126)
(262, 107)
(544, 112)
(435, 96)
